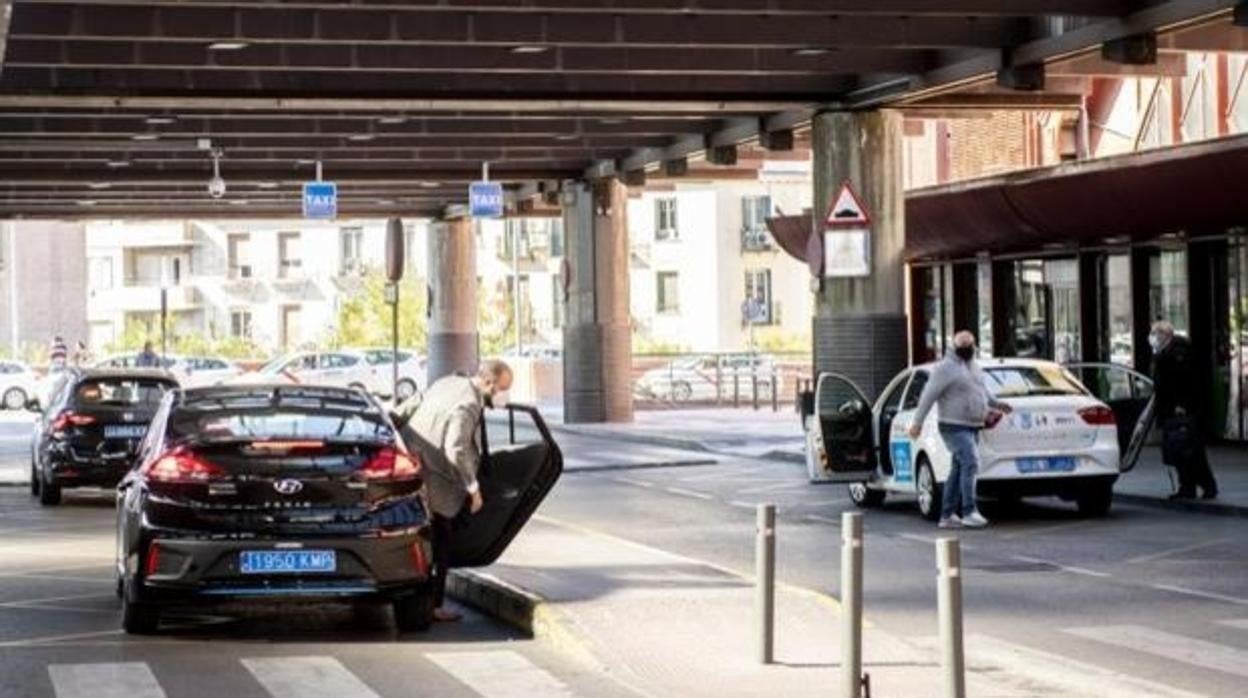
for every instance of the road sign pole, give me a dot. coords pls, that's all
(949, 612)
(765, 580)
(394, 340)
(851, 603)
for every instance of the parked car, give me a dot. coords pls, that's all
(196, 371)
(711, 377)
(411, 371)
(534, 351)
(300, 493)
(130, 360)
(342, 369)
(1059, 440)
(89, 431)
(18, 384)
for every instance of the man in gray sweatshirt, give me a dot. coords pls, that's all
(957, 387)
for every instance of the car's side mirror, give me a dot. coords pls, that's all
(32, 405)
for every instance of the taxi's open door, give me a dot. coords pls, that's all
(1129, 394)
(520, 464)
(840, 437)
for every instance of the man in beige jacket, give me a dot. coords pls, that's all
(442, 426)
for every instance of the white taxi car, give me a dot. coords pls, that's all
(1060, 440)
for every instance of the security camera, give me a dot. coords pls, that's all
(216, 187)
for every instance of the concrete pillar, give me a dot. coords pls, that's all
(597, 339)
(860, 323)
(452, 298)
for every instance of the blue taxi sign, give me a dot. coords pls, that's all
(485, 199)
(320, 200)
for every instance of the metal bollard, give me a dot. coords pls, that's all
(736, 388)
(754, 390)
(949, 604)
(851, 605)
(765, 581)
(775, 392)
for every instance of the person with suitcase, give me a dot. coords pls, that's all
(1183, 446)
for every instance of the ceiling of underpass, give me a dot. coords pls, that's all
(104, 104)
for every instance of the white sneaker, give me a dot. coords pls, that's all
(954, 521)
(974, 520)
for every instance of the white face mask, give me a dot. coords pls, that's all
(1154, 341)
(500, 399)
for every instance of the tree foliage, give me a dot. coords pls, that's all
(364, 317)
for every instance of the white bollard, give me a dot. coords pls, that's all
(851, 605)
(949, 604)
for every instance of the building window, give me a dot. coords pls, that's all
(351, 247)
(240, 324)
(517, 233)
(99, 273)
(289, 260)
(559, 304)
(759, 307)
(665, 227)
(556, 237)
(754, 213)
(239, 256)
(668, 292)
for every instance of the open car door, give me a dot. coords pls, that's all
(840, 444)
(520, 463)
(1129, 394)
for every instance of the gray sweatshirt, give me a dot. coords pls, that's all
(958, 387)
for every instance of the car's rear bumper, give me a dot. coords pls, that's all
(199, 569)
(1067, 486)
(67, 470)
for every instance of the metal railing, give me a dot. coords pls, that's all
(740, 379)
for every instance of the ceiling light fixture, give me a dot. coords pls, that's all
(529, 49)
(227, 45)
(612, 120)
(392, 120)
(266, 185)
(361, 137)
(238, 202)
(144, 137)
(100, 185)
(118, 164)
(810, 51)
(567, 137)
(428, 185)
(159, 120)
(87, 202)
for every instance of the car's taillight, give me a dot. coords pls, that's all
(1098, 415)
(391, 464)
(69, 418)
(153, 559)
(181, 465)
(420, 561)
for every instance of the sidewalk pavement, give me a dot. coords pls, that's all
(669, 625)
(777, 436)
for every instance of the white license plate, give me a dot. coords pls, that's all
(287, 561)
(124, 431)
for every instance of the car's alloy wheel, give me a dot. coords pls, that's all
(928, 491)
(865, 497)
(34, 479)
(49, 494)
(681, 392)
(404, 390)
(14, 399)
(137, 618)
(414, 613)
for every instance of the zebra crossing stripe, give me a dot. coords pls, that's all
(500, 674)
(307, 677)
(1241, 623)
(104, 680)
(1201, 653)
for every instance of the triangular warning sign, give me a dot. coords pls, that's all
(847, 210)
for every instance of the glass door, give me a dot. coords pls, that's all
(1237, 295)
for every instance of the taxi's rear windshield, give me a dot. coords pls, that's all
(121, 392)
(282, 415)
(1025, 381)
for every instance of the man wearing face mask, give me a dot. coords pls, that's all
(1173, 378)
(442, 426)
(957, 386)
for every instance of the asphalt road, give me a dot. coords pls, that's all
(1145, 592)
(1150, 593)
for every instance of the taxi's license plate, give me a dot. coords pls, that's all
(287, 561)
(1045, 465)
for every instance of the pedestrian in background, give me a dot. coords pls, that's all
(147, 358)
(442, 426)
(58, 353)
(82, 355)
(1183, 444)
(964, 404)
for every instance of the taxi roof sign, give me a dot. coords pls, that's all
(847, 210)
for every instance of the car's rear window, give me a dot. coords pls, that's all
(268, 416)
(121, 392)
(1023, 381)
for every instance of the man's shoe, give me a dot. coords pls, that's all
(1209, 494)
(446, 615)
(954, 521)
(1182, 495)
(974, 520)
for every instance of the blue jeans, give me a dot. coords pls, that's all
(959, 494)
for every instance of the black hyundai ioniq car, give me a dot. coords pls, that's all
(89, 432)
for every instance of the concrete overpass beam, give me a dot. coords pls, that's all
(597, 338)
(860, 322)
(452, 298)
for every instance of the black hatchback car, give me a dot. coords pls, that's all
(89, 432)
(298, 493)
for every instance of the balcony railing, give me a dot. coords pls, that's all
(755, 240)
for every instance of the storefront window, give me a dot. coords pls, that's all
(1167, 288)
(1117, 323)
(1237, 289)
(1047, 309)
(984, 301)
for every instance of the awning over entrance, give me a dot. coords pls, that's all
(1189, 189)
